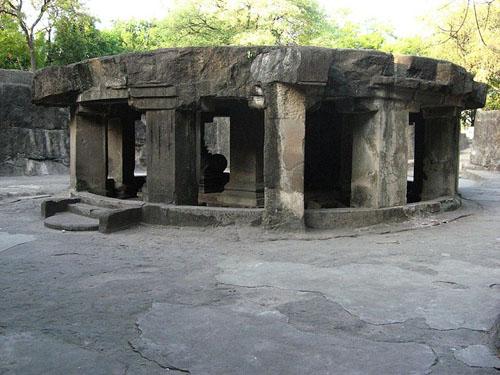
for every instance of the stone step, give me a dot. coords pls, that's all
(71, 222)
(87, 210)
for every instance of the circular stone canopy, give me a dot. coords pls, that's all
(185, 77)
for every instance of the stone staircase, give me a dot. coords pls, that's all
(89, 213)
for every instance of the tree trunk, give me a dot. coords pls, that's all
(31, 46)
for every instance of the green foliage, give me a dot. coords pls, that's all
(467, 35)
(76, 38)
(415, 46)
(135, 35)
(14, 53)
(350, 35)
(493, 101)
(473, 42)
(243, 22)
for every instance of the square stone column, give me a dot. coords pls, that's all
(246, 185)
(379, 155)
(171, 157)
(441, 152)
(284, 138)
(121, 150)
(88, 144)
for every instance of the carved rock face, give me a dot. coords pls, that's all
(177, 77)
(34, 139)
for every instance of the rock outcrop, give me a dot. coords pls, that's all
(34, 139)
(486, 144)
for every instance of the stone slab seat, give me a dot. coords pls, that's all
(85, 214)
(87, 210)
(71, 222)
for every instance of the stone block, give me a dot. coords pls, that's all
(51, 207)
(486, 143)
(119, 219)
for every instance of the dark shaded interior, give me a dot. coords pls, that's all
(122, 180)
(231, 166)
(414, 189)
(328, 158)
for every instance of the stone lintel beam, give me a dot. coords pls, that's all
(360, 105)
(441, 152)
(379, 159)
(156, 97)
(441, 112)
(284, 157)
(171, 157)
(102, 95)
(92, 111)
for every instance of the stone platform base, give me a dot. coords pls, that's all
(162, 214)
(121, 214)
(363, 217)
(233, 198)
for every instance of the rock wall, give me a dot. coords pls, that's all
(486, 143)
(217, 135)
(140, 146)
(34, 140)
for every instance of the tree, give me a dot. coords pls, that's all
(14, 52)
(469, 35)
(241, 22)
(138, 35)
(339, 34)
(415, 46)
(18, 10)
(74, 37)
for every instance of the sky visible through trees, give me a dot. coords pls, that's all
(38, 33)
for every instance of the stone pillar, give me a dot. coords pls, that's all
(379, 156)
(171, 157)
(121, 150)
(246, 186)
(284, 157)
(419, 152)
(345, 168)
(88, 141)
(441, 152)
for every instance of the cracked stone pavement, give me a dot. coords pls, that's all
(411, 298)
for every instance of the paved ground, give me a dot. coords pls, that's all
(14, 188)
(413, 298)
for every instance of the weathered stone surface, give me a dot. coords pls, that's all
(217, 134)
(32, 353)
(377, 303)
(189, 74)
(50, 207)
(366, 95)
(379, 157)
(203, 340)
(172, 165)
(478, 356)
(71, 222)
(34, 140)
(284, 157)
(8, 241)
(140, 146)
(486, 144)
(441, 152)
(88, 131)
(87, 291)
